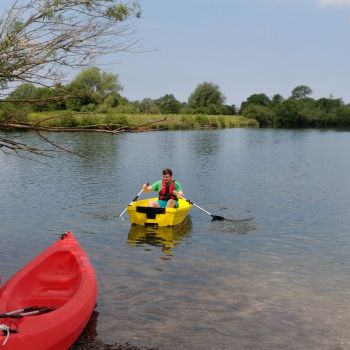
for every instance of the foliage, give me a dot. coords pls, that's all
(38, 98)
(39, 38)
(300, 92)
(10, 112)
(88, 120)
(297, 111)
(146, 105)
(255, 99)
(329, 104)
(276, 99)
(113, 119)
(206, 95)
(68, 121)
(229, 110)
(264, 115)
(98, 93)
(168, 104)
(343, 116)
(116, 120)
(92, 86)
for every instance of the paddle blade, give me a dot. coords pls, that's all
(217, 218)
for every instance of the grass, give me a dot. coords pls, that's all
(152, 121)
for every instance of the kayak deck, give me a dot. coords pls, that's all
(61, 281)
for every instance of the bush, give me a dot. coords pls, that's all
(201, 119)
(116, 120)
(68, 121)
(264, 115)
(91, 107)
(222, 121)
(15, 113)
(88, 120)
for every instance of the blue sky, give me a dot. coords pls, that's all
(243, 46)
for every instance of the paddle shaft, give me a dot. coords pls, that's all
(201, 208)
(137, 196)
(28, 311)
(215, 217)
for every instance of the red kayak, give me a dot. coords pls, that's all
(47, 304)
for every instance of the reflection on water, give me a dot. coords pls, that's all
(165, 237)
(203, 145)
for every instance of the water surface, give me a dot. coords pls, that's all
(274, 276)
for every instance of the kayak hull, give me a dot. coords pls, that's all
(62, 278)
(141, 214)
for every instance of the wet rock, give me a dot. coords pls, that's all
(86, 344)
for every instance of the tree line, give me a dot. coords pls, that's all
(298, 110)
(93, 90)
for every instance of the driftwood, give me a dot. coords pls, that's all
(61, 128)
(8, 146)
(105, 128)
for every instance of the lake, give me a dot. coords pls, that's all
(276, 275)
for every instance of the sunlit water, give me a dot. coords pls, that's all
(276, 275)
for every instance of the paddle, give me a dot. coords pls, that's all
(27, 311)
(135, 199)
(214, 217)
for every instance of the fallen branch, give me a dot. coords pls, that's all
(105, 128)
(33, 101)
(20, 147)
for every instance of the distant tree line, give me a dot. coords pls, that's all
(93, 90)
(298, 110)
(96, 91)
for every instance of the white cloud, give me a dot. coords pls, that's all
(333, 2)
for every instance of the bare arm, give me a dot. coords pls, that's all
(178, 193)
(147, 188)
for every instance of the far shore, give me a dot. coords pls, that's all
(61, 120)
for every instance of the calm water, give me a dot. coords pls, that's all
(276, 276)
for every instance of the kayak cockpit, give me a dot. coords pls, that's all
(50, 283)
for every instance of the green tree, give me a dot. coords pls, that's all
(329, 104)
(205, 95)
(34, 98)
(147, 105)
(229, 110)
(264, 115)
(276, 99)
(287, 113)
(255, 99)
(295, 113)
(301, 92)
(258, 99)
(168, 104)
(343, 116)
(23, 92)
(92, 86)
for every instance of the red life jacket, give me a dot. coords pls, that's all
(166, 192)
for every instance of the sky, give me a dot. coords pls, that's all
(243, 46)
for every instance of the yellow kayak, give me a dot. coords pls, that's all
(141, 214)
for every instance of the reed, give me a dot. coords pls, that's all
(117, 120)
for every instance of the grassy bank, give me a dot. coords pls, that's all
(146, 121)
